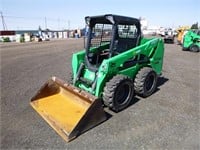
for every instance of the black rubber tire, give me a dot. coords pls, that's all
(194, 48)
(184, 49)
(118, 92)
(145, 82)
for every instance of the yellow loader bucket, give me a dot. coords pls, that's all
(68, 110)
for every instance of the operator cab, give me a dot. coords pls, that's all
(108, 36)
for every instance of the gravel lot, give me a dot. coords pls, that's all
(169, 119)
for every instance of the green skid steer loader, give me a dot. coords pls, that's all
(191, 41)
(117, 63)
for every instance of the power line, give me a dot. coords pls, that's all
(16, 21)
(33, 18)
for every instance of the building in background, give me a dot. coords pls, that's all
(7, 36)
(39, 35)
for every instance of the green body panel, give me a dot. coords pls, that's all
(191, 38)
(77, 59)
(149, 53)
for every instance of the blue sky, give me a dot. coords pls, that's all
(64, 14)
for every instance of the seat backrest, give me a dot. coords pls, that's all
(125, 44)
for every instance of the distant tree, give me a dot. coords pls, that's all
(194, 26)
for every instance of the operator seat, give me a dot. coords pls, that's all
(124, 44)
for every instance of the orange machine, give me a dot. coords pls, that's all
(181, 32)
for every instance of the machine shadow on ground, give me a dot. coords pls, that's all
(160, 82)
(109, 113)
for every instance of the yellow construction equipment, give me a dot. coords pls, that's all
(68, 110)
(181, 31)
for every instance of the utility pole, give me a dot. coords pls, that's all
(58, 23)
(3, 22)
(68, 24)
(45, 23)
